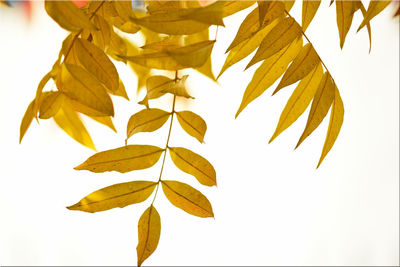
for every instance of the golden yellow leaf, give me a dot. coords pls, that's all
(269, 71)
(168, 43)
(178, 88)
(309, 9)
(156, 86)
(263, 7)
(193, 164)
(117, 47)
(335, 123)
(149, 229)
(344, 17)
(68, 15)
(211, 14)
(102, 36)
(121, 91)
(246, 47)
(193, 124)
(85, 92)
(302, 65)
(50, 103)
(320, 106)
(69, 121)
(115, 196)
(106, 120)
(279, 37)
(97, 63)
(364, 12)
(123, 159)
(124, 13)
(147, 120)
(158, 60)
(26, 120)
(194, 55)
(187, 198)
(39, 91)
(299, 100)
(231, 7)
(374, 8)
(161, 6)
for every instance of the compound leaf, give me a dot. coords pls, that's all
(147, 120)
(193, 124)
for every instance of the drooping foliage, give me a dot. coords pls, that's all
(177, 38)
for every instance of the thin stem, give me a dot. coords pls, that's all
(167, 143)
(308, 40)
(216, 33)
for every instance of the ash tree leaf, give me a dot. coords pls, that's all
(187, 198)
(335, 123)
(178, 88)
(193, 124)
(374, 8)
(121, 91)
(299, 100)
(85, 92)
(50, 104)
(246, 47)
(309, 9)
(279, 37)
(70, 122)
(149, 230)
(157, 85)
(102, 36)
(193, 164)
(263, 7)
(115, 196)
(147, 120)
(68, 15)
(122, 20)
(123, 159)
(302, 65)
(26, 120)
(269, 71)
(344, 17)
(320, 106)
(97, 63)
(232, 7)
(39, 91)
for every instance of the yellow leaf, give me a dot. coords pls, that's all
(320, 106)
(149, 229)
(299, 100)
(168, 43)
(279, 37)
(157, 85)
(194, 55)
(117, 47)
(106, 120)
(231, 7)
(124, 13)
(158, 60)
(102, 36)
(344, 17)
(147, 120)
(187, 198)
(335, 123)
(193, 124)
(269, 71)
(310, 8)
(123, 159)
(69, 121)
(364, 12)
(68, 15)
(115, 196)
(211, 14)
(121, 91)
(85, 93)
(246, 47)
(26, 121)
(178, 88)
(193, 164)
(50, 103)
(97, 63)
(262, 9)
(302, 65)
(39, 91)
(374, 8)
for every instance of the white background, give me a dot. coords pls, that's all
(272, 207)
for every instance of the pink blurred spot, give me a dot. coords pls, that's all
(79, 3)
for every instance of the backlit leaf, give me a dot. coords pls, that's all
(26, 120)
(85, 92)
(344, 17)
(320, 106)
(123, 159)
(101, 37)
(279, 37)
(97, 63)
(178, 88)
(193, 124)
(374, 8)
(50, 104)
(147, 120)
(364, 12)
(231, 7)
(115, 196)
(70, 122)
(68, 15)
(299, 100)
(310, 8)
(194, 55)
(157, 85)
(121, 91)
(149, 230)
(269, 71)
(335, 123)
(193, 164)
(302, 65)
(39, 91)
(187, 198)
(106, 120)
